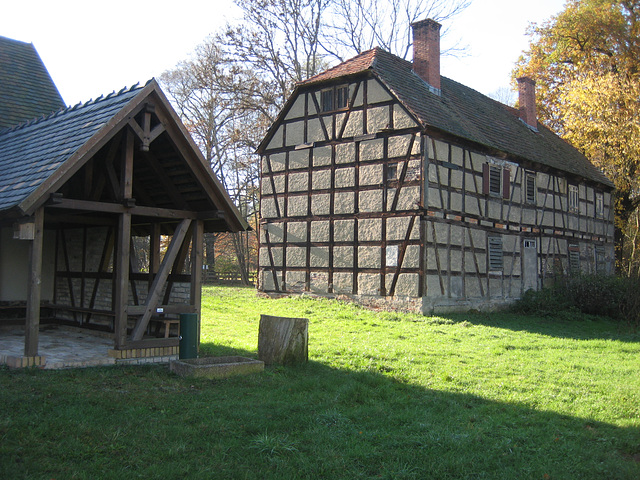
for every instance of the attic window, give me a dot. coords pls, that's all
(496, 180)
(530, 187)
(335, 98)
(573, 198)
(599, 204)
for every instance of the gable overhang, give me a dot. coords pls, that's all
(152, 95)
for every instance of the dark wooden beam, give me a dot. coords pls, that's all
(161, 278)
(32, 325)
(139, 210)
(121, 283)
(197, 252)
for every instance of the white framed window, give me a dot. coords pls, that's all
(599, 204)
(574, 198)
(392, 256)
(495, 256)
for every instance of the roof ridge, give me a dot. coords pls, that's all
(73, 108)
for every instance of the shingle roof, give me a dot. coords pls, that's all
(26, 88)
(31, 152)
(466, 113)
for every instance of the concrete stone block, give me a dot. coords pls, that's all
(370, 230)
(442, 151)
(320, 204)
(457, 154)
(297, 109)
(296, 257)
(369, 256)
(376, 93)
(315, 133)
(321, 156)
(368, 284)
(371, 174)
(277, 141)
(342, 257)
(277, 162)
(411, 257)
(370, 201)
(398, 146)
(319, 282)
(456, 202)
(372, 150)
(319, 257)
(297, 232)
(299, 159)
(354, 125)
(406, 285)
(345, 177)
(298, 206)
(320, 231)
(343, 202)
(295, 281)
(294, 134)
(477, 161)
(409, 198)
(402, 119)
(343, 230)
(298, 182)
(378, 119)
(346, 153)
(321, 179)
(433, 286)
(268, 282)
(343, 282)
(275, 231)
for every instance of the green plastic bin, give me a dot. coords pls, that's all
(188, 335)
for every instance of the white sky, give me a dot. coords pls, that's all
(92, 48)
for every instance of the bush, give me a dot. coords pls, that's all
(603, 295)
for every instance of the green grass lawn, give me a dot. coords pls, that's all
(385, 395)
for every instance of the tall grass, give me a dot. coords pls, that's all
(385, 395)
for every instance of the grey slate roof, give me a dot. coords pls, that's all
(465, 113)
(26, 88)
(31, 152)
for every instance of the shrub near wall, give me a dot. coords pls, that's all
(603, 295)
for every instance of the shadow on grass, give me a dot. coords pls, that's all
(560, 326)
(310, 421)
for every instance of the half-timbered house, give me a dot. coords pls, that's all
(103, 207)
(385, 182)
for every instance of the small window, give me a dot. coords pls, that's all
(599, 205)
(334, 98)
(495, 254)
(392, 171)
(529, 244)
(573, 198)
(574, 259)
(392, 256)
(342, 97)
(530, 187)
(496, 180)
(327, 100)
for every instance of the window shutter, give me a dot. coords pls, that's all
(485, 178)
(506, 183)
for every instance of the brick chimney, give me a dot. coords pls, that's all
(527, 100)
(426, 51)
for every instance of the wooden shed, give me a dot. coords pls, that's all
(103, 207)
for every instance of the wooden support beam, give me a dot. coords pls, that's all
(159, 281)
(138, 210)
(121, 283)
(197, 253)
(32, 325)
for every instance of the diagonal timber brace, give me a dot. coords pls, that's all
(161, 279)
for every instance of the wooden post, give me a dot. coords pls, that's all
(197, 252)
(32, 326)
(282, 340)
(121, 293)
